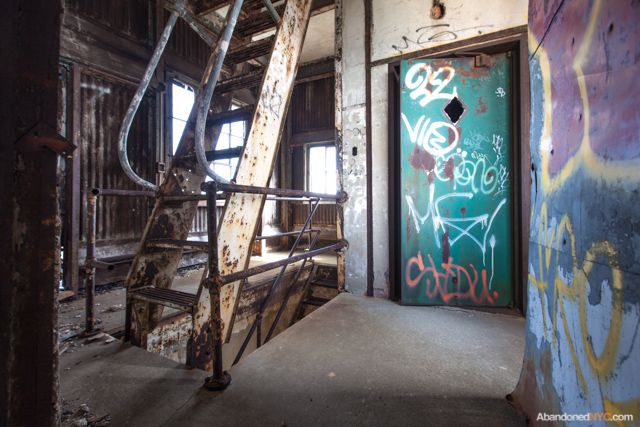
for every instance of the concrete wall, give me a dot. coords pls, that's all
(354, 144)
(399, 27)
(582, 348)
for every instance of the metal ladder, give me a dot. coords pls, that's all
(151, 274)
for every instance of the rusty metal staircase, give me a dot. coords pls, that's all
(230, 237)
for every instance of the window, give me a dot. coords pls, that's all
(232, 135)
(321, 163)
(182, 99)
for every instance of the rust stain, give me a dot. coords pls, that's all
(481, 107)
(420, 159)
(448, 169)
(446, 248)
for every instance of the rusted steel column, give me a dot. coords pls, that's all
(242, 212)
(90, 267)
(220, 379)
(29, 217)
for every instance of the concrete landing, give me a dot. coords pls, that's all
(355, 361)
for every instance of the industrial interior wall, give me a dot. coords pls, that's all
(399, 27)
(582, 347)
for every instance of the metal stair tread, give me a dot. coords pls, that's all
(167, 297)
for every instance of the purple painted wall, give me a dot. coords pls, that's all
(582, 346)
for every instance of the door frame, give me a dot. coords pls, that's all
(512, 40)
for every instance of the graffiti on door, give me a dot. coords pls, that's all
(455, 182)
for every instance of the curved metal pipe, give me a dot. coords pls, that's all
(137, 100)
(210, 85)
(272, 11)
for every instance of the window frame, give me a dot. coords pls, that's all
(173, 77)
(307, 158)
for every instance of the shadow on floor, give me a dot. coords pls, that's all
(355, 361)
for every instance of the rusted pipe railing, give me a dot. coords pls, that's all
(287, 295)
(220, 379)
(91, 263)
(214, 281)
(123, 135)
(287, 234)
(282, 192)
(280, 263)
(230, 278)
(90, 268)
(208, 85)
(257, 323)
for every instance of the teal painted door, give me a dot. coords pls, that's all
(456, 235)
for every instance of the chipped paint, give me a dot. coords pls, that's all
(582, 353)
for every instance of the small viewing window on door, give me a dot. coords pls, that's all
(321, 166)
(182, 99)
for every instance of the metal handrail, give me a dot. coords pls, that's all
(213, 72)
(272, 11)
(123, 136)
(281, 192)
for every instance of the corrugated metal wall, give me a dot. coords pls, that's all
(103, 104)
(312, 106)
(186, 43)
(127, 17)
(325, 215)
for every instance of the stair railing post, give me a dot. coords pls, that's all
(220, 378)
(90, 267)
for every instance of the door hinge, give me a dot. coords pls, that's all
(482, 60)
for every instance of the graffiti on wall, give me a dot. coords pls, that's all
(583, 351)
(429, 34)
(455, 181)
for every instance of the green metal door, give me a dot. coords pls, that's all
(456, 235)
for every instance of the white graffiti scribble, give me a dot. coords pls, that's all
(435, 33)
(427, 84)
(429, 135)
(492, 243)
(500, 92)
(475, 141)
(502, 173)
(475, 228)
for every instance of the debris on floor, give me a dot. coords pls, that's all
(114, 308)
(82, 417)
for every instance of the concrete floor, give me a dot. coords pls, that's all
(355, 361)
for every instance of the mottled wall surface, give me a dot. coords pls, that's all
(354, 144)
(583, 350)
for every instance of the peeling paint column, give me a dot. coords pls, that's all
(29, 218)
(379, 146)
(339, 142)
(354, 144)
